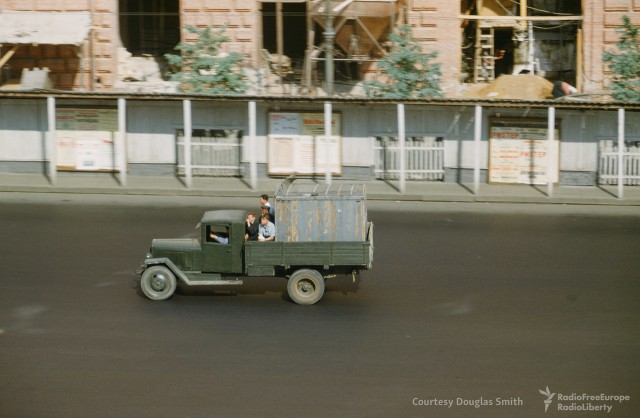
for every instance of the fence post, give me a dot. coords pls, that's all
(187, 141)
(51, 143)
(401, 140)
(551, 122)
(620, 153)
(477, 136)
(327, 136)
(253, 166)
(121, 148)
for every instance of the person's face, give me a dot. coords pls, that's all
(262, 201)
(251, 218)
(263, 221)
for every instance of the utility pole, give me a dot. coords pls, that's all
(329, 36)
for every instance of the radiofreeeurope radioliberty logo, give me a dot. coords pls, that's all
(582, 402)
(549, 399)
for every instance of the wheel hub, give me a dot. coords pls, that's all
(158, 283)
(306, 287)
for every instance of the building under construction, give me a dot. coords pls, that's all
(297, 47)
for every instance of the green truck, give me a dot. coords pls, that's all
(306, 264)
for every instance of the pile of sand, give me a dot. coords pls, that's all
(521, 86)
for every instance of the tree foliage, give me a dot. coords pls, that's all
(203, 67)
(625, 63)
(411, 73)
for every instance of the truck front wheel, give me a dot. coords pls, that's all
(158, 283)
(306, 287)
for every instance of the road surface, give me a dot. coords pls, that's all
(471, 310)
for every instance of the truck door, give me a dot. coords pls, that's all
(221, 257)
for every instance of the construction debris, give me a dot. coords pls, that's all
(521, 86)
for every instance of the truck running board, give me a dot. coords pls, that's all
(208, 280)
(213, 282)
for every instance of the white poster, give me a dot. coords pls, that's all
(296, 144)
(85, 139)
(519, 154)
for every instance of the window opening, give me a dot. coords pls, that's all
(149, 27)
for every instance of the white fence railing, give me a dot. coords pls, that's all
(214, 152)
(609, 163)
(424, 158)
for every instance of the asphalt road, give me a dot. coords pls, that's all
(470, 311)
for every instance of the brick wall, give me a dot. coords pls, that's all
(435, 25)
(240, 17)
(601, 18)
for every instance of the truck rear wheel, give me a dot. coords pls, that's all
(158, 283)
(305, 287)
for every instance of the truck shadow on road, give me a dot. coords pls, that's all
(266, 285)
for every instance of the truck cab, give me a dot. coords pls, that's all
(218, 257)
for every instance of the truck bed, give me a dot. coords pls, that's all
(262, 257)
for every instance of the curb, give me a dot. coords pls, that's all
(373, 196)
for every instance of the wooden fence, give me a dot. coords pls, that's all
(214, 152)
(609, 163)
(424, 158)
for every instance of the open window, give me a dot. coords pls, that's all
(149, 27)
(502, 37)
(218, 234)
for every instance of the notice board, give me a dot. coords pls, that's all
(518, 151)
(85, 139)
(297, 144)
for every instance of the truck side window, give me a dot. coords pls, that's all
(218, 234)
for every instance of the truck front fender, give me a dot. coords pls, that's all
(170, 265)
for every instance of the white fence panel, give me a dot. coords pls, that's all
(608, 167)
(424, 158)
(214, 152)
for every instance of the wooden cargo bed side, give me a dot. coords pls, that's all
(343, 253)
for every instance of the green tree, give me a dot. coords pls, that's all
(625, 63)
(203, 67)
(411, 73)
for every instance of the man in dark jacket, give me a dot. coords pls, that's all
(251, 227)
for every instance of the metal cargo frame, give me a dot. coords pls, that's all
(308, 211)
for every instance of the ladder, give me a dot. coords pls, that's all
(484, 69)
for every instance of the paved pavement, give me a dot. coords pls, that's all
(98, 183)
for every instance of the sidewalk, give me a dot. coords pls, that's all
(97, 183)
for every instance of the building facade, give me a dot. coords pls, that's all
(83, 89)
(121, 46)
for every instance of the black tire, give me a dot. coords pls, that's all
(158, 283)
(305, 287)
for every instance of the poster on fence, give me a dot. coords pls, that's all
(297, 144)
(85, 139)
(518, 152)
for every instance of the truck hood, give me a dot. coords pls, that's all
(159, 247)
